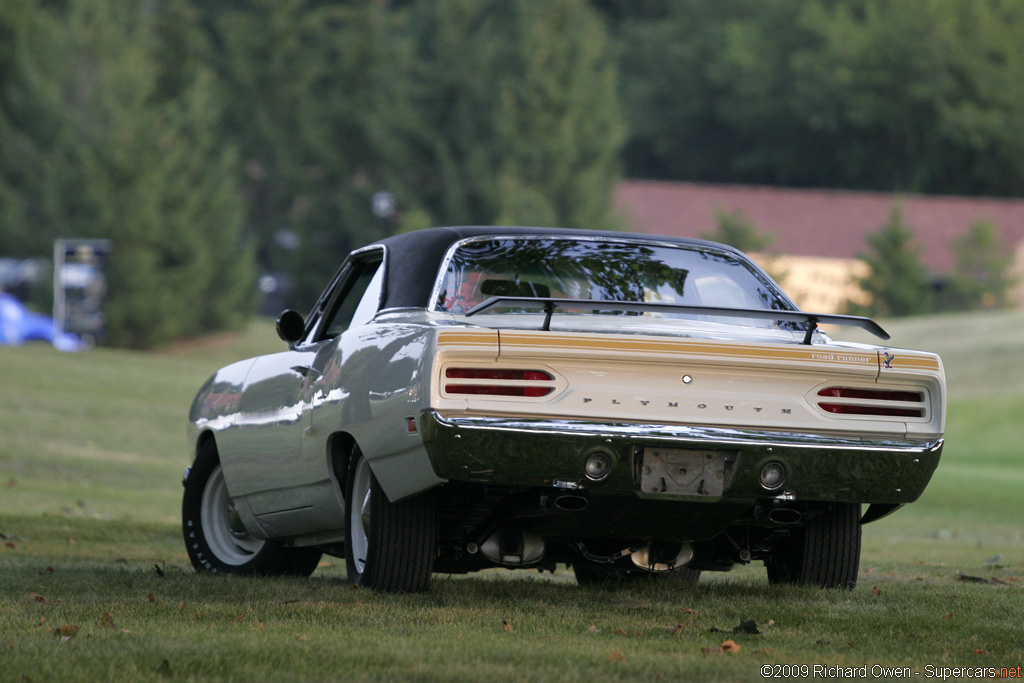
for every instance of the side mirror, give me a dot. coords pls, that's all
(290, 326)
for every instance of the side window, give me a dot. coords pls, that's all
(357, 301)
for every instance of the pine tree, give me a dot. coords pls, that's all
(982, 276)
(152, 176)
(513, 114)
(32, 125)
(899, 284)
(308, 104)
(736, 230)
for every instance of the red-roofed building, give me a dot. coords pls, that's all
(824, 231)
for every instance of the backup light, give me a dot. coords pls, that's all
(597, 466)
(773, 475)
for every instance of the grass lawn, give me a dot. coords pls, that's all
(95, 583)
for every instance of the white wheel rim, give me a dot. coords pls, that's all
(359, 524)
(230, 545)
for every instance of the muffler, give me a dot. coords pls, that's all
(662, 557)
(513, 547)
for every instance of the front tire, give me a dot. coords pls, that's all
(216, 539)
(389, 547)
(825, 552)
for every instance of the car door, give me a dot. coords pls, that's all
(287, 491)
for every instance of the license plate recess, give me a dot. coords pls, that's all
(685, 472)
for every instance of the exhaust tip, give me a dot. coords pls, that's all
(571, 503)
(785, 516)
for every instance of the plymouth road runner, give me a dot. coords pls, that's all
(631, 405)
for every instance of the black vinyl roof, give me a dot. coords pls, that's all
(414, 257)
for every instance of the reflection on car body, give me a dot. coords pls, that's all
(633, 406)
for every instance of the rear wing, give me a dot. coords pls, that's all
(810, 319)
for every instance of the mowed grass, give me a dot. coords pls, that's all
(95, 583)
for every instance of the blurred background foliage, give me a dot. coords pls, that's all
(215, 141)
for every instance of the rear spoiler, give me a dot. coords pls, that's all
(810, 319)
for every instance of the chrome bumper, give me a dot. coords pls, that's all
(542, 452)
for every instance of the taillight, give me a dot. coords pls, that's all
(873, 402)
(498, 382)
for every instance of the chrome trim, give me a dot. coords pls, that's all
(754, 268)
(699, 436)
(314, 329)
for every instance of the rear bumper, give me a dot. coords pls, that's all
(649, 461)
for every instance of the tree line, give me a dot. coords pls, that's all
(215, 140)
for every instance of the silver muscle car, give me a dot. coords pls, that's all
(633, 406)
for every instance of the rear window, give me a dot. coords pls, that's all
(603, 270)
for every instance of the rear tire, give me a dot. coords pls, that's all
(389, 547)
(825, 552)
(215, 538)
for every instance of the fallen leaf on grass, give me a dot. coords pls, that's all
(106, 621)
(11, 545)
(948, 616)
(593, 629)
(66, 631)
(980, 651)
(729, 646)
(876, 591)
(506, 625)
(43, 601)
(687, 610)
(616, 658)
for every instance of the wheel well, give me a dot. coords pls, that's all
(204, 438)
(339, 451)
